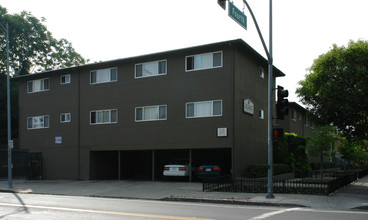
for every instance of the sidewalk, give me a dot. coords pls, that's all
(351, 197)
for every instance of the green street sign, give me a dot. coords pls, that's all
(237, 15)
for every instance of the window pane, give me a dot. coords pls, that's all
(106, 116)
(206, 61)
(93, 77)
(37, 86)
(103, 75)
(217, 108)
(162, 112)
(162, 67)
(30, 86)
(190, 110)
(113, 76)
(138, 70)
(202, 109)
(93, 117)
(62, 118)
(29, 123)
(150, 69)
(45, 84)
(150, 113)
(99, 117)
(46, 121)
(190, 63)
(217, 59)
(139, 114)
(114, 116)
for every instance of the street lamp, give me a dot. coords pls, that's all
(10, 141)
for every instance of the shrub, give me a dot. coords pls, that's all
(261, 170)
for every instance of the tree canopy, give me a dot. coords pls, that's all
(336, 89)
(32, 46)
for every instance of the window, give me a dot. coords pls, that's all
(261, 72)
(65, 79)
(306, 121)
(204, 61)
(38, 85)
(203, 109)
(151, 113)
(104, 116)
(293, 115)
(150, 69)
(65, 117)
(261, 113)
(104, 75)
(38, 122)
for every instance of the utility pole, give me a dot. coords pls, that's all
(10, 141)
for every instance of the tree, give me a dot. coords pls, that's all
(321, 144)
(32, 49)
(355, 152)
(336, 89)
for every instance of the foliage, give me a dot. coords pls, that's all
(32, 46)
(291, 150)
(321, 144)
(336, 89)
(355, 152)
(261, 170)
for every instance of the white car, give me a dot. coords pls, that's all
(177, 168)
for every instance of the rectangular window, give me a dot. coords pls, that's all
(104, 75)
(261, 72)
(293, 115)
(150, 69)
(203, 109)
(65, 117)
(38, 122)
(151, 113)
(203, 61)
(65, 79)
(104, 116)
(306, 121)
(261, 114)
(38, 85)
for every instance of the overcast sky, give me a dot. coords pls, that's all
(112, 29)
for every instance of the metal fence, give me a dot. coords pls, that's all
(318, 183)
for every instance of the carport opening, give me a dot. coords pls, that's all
(104, 165)
(136, 165)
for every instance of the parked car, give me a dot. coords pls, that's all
(207, 171)
(177, 168)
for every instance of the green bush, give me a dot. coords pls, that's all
(261, 170)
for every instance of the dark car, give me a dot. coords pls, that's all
(208, 171)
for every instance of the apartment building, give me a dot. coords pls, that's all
(127, 118)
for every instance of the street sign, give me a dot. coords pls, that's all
(237, 15)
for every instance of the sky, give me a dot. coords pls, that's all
(113, 29)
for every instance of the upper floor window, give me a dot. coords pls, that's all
(38, 85)
(293, 115)
(104, 75)
(203, 61)
(261, 72)
(151, 113)
(203, 109)
(65, 79)
(65, 117)
(261, 113)
(104, 116)
(150, 69)
(38, 122)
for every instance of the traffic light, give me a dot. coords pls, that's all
(282, 102)
(278, 133)
(222, 3)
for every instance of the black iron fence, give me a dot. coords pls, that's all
(318, 183)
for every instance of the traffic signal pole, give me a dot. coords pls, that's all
(270, 99)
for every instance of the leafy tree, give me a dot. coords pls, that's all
(321, 144)
(32, 49)
(355, 152)
(336, 89)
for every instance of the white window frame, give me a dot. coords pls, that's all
(109, 121)
(156, 63)
(203, 102)
(153, 106)
(199, 56)
(65, 117)
(41, 83)
(261, 113)
(42, 126)
(101, 71)
(261, 72)
(67, 79)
